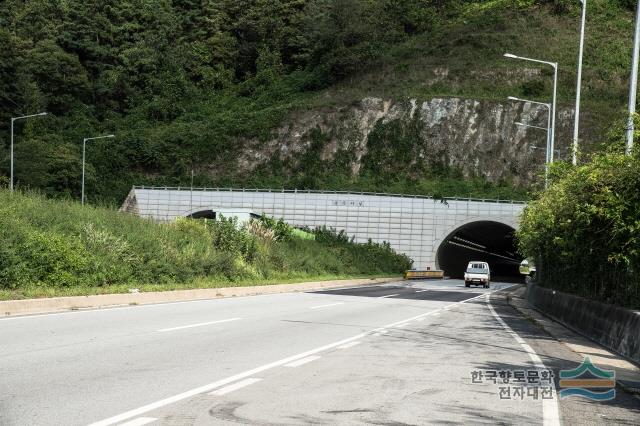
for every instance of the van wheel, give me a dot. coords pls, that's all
(467, 284)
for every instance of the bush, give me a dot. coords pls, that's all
(48, 245)
(584, 231)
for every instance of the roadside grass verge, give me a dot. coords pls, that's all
(58, 247)
(39, 291)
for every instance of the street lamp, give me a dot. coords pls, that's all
(633, 89)
(576, 125)
(549, 123)
(533, 127)
(84, 144)
(13, 120)
(549, 155)
(555, 93)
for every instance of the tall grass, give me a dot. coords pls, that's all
(52, 247)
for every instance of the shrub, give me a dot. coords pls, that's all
(584, 231)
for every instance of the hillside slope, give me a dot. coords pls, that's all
(301, 93)
(52, 247)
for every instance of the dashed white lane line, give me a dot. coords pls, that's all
(302, 361)
(239, 385)
(211, 386)
(140, 421)
(402, 325)
(349, 345)
(388, 295)
(550, 415)
(421, 291)
(202, 324)
(327, 306)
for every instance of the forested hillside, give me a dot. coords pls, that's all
(183, 83)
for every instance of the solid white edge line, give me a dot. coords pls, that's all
(303, 361)
(350, 345)
(550, 414)
(140, 421)
(238, 385)
(327, 306)
(202, 324)
(211, 386)
(389, 295)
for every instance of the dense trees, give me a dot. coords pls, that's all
(178, 80)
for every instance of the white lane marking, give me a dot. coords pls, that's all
(350, 345)
(327, 306)
(420, 319)
(389, 295)
(139, 421)
(214, 385)
(436, 314)
(302, 361)
(550, 415)
(421, 291)
(202, 324)
(402, 325)
(112, 308)
(239, 385)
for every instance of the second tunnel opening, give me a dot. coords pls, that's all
(486, 241)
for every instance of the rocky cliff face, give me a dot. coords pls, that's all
(474, 138)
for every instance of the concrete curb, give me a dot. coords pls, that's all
(627, 373)
(57, 304)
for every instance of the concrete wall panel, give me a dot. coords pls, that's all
(413, 225)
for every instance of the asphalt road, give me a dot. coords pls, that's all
(390, 354)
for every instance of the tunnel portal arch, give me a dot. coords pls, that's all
(483, 240)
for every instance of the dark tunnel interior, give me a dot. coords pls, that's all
(486, 241)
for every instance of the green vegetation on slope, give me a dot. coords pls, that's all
(61, 248)
(584, 231)
(181, 82)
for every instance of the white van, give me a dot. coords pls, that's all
(477, 273)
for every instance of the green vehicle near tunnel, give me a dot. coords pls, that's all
(477, 273)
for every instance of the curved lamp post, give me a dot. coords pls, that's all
(13, 120)
(554, 65)
(84, 144)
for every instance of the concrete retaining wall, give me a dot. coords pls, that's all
(413, 225)
(614, 327)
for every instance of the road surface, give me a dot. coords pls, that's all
(416, 353)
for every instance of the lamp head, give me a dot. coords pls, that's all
(510, 55)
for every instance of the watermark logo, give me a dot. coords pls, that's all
(518, 385)
(588, 381)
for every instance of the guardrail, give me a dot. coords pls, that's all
(310, 191)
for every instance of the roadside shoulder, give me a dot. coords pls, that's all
(627, 373)
(61, 304)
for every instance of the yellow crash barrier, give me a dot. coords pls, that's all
(429, 274)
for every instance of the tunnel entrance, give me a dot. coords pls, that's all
(203, 214)
(487, 241)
